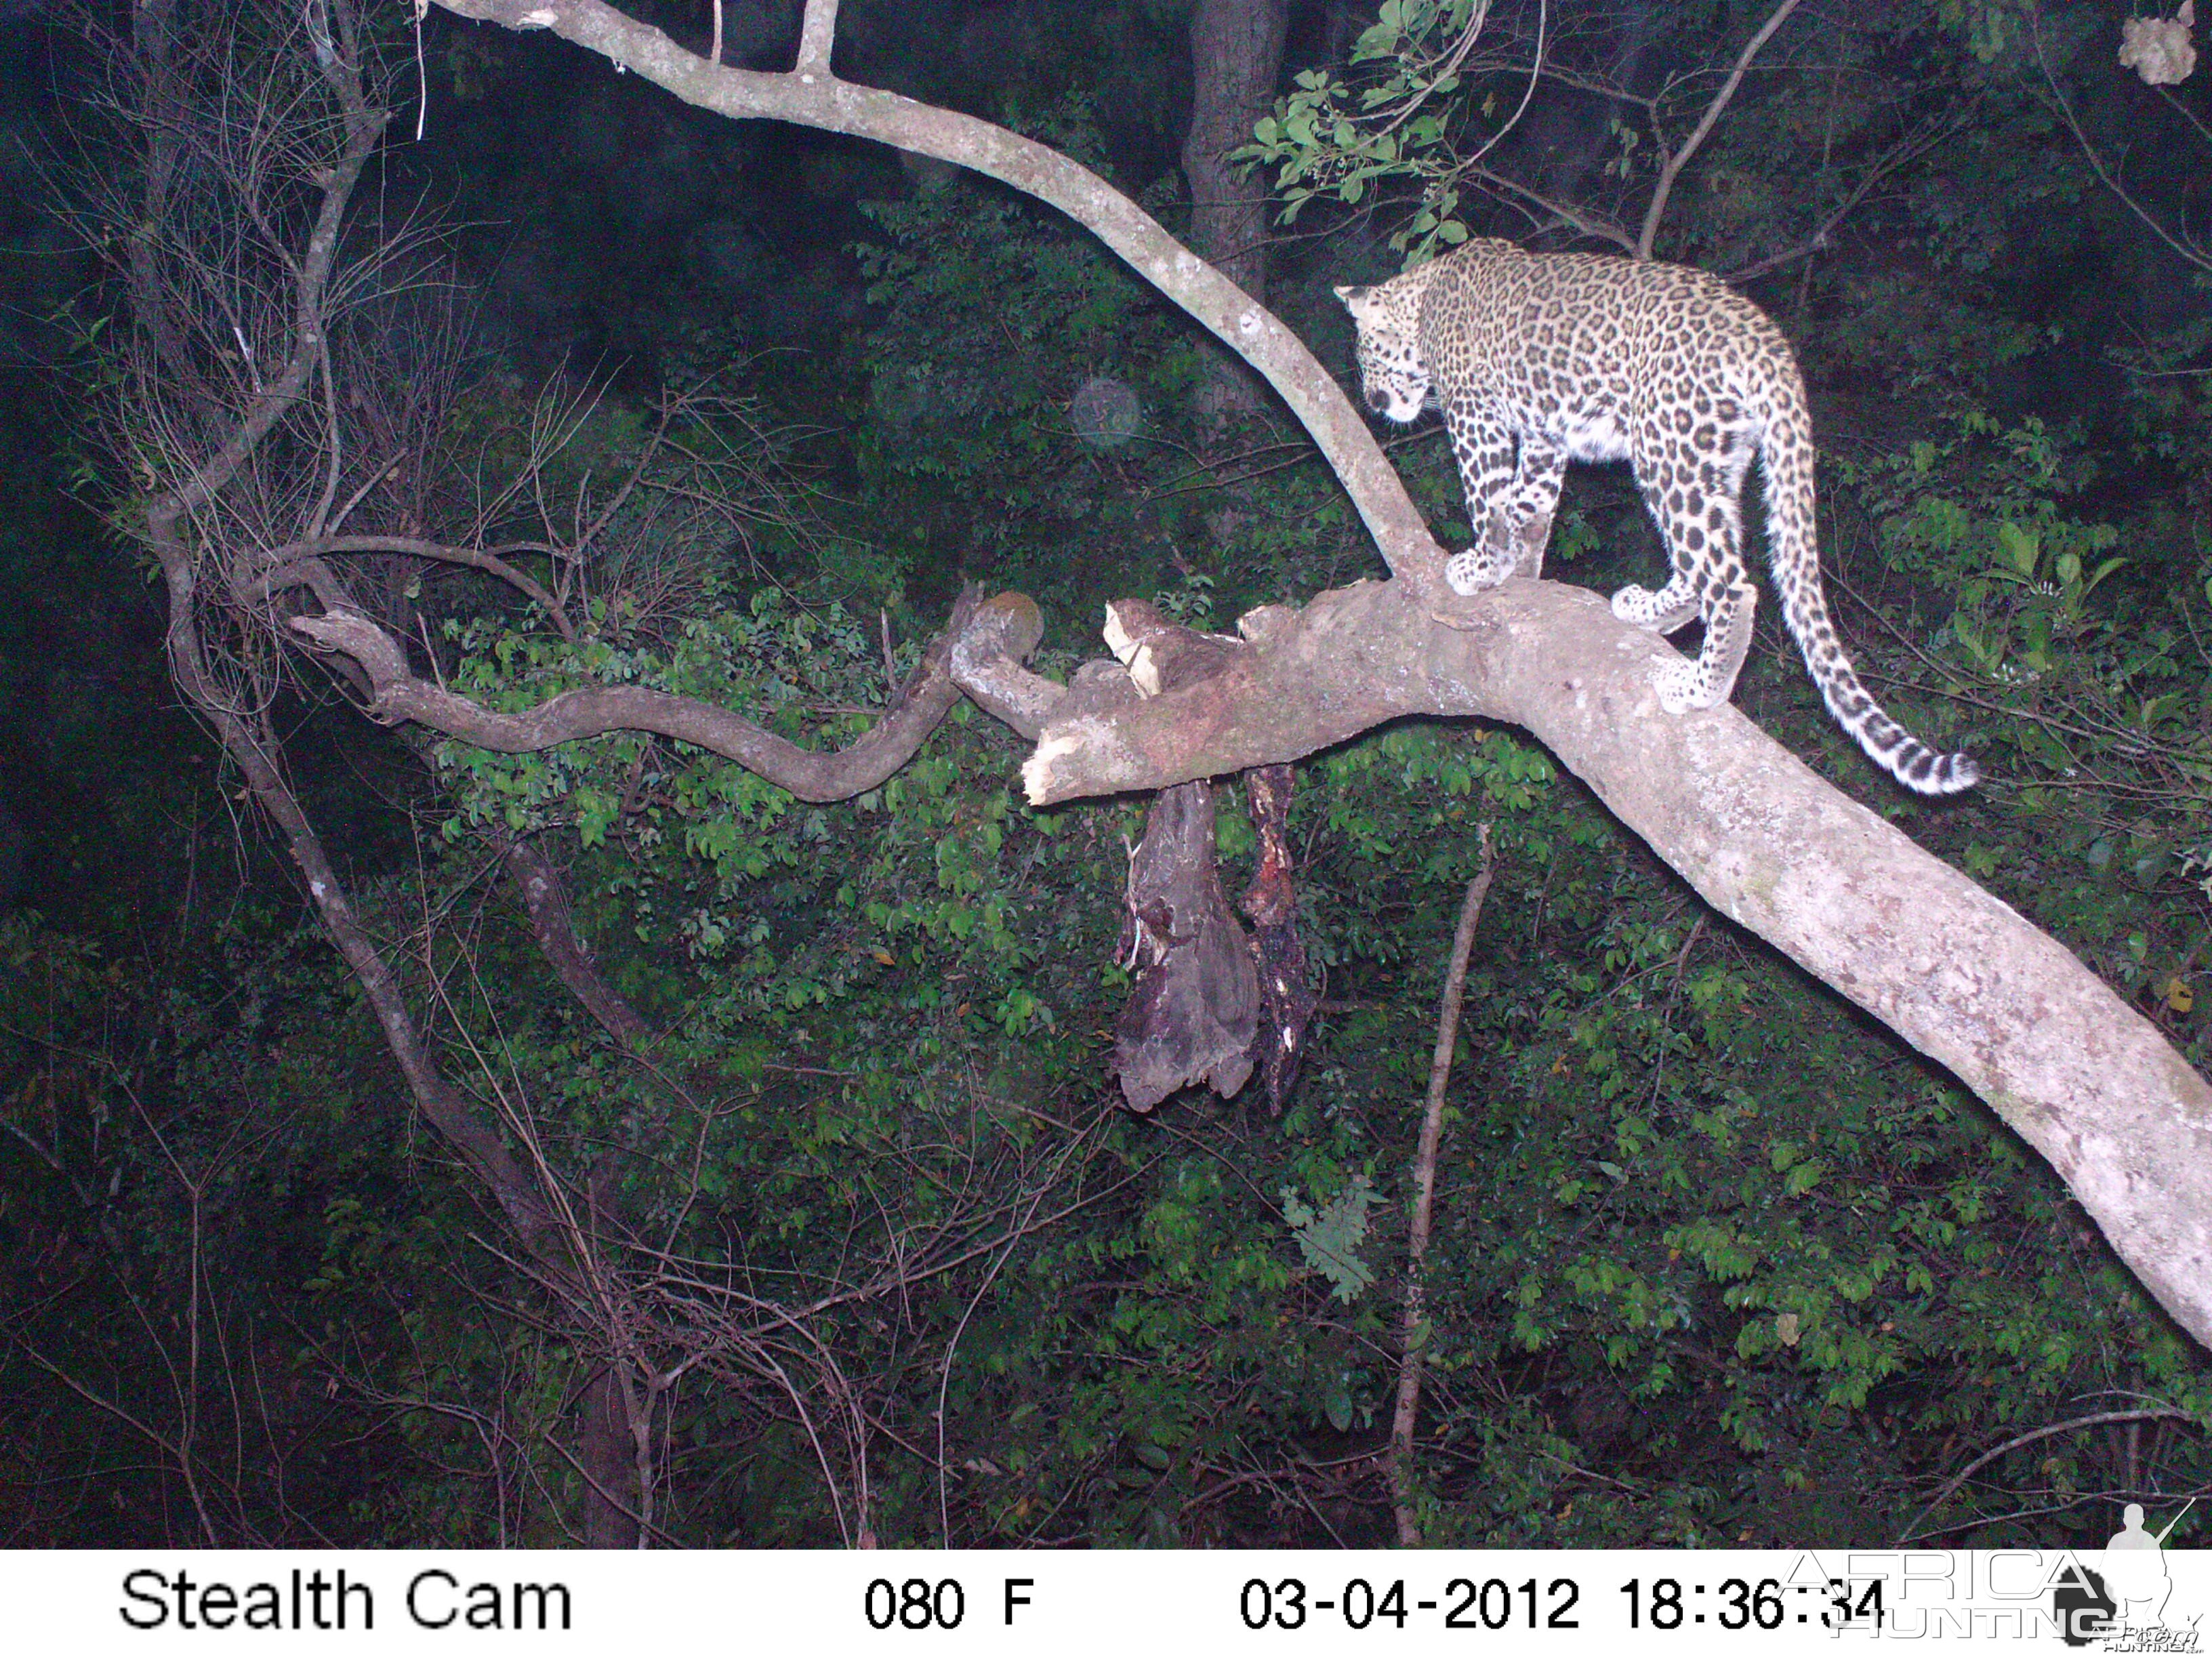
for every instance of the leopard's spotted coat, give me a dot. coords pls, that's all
(1578, 356)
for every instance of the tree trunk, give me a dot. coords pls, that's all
(1235, 53)
(609, 1456)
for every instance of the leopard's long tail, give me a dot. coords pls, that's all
(1786, 462)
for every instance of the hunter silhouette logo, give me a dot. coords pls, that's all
(2125, 1601)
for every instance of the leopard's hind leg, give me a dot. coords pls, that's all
(1676, 606)
(1693, 484)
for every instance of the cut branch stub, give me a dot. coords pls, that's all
(1305, 680)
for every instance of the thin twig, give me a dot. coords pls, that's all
(1674, 163)
(2149, 1413)
(1424, 1193)
(2110, 178)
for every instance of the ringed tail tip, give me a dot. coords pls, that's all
(1932, 774)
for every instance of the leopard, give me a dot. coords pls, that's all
(1536, 359)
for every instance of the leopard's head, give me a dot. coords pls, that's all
(1388, 317)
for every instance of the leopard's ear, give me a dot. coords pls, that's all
(1353, 297)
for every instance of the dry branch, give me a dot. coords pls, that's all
(1671, 168)
(999, 632)
(1411, 1339)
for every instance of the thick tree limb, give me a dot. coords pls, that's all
(1350, 662)
(1236, 55)
(810, 96)
(998, 633)
(1961, 976)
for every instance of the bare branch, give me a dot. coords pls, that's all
(1672, 168)
(2140, 1414)
(1007, 627)
(546, 901)
(2194, 252)
(817, 99)
(1412, 1337)
(487, 559)
(1888, 163)
(1581, 223)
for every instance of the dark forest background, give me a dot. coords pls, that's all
(1717, 1259)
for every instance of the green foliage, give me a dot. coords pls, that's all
(1329, 1238)
(1327, 140)
(2083, 670)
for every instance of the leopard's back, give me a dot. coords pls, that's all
(1586, 349)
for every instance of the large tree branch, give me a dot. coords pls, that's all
(1961, 976)
(810, 96)
(1001, 631)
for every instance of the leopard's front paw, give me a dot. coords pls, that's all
(1634, 606)
(1475, 569)
(1679, 687)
